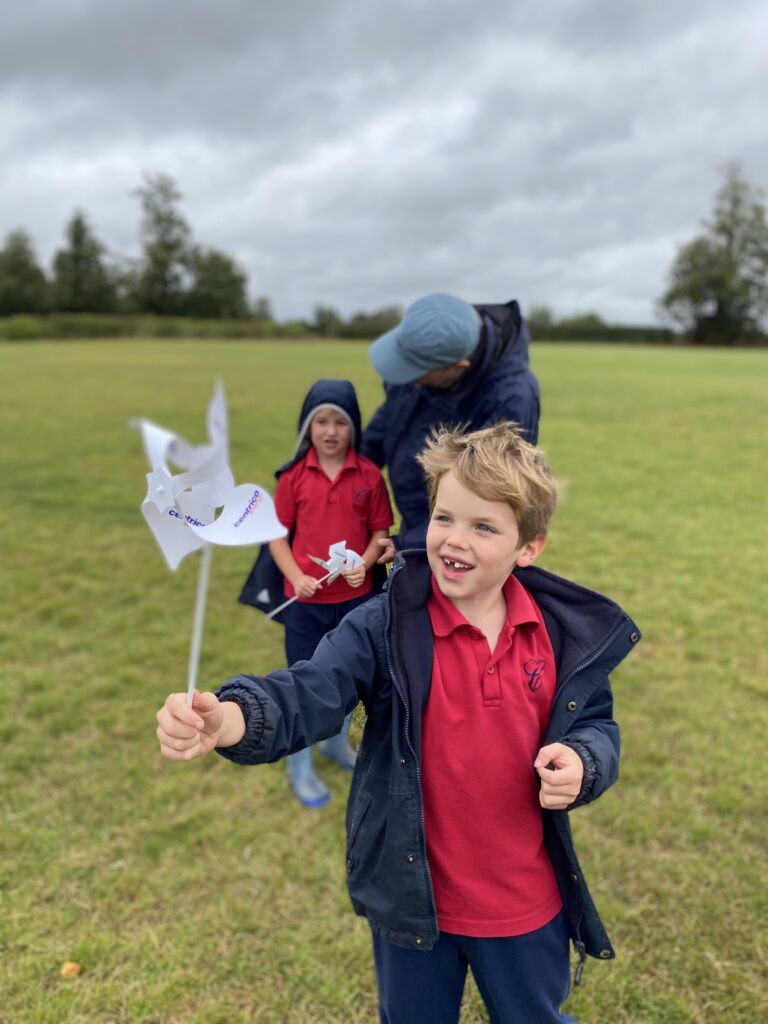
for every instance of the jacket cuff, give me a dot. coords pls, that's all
(252, 707)
(590, 772)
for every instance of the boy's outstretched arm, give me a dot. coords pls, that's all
(561, 771)
(188, 732)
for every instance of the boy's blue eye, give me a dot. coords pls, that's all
(485, 528)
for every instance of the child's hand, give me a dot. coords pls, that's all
(388, 551)
(355, 577)
(560, 784)
(306, 586)
(188, 732)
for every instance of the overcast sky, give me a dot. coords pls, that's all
(361, 154)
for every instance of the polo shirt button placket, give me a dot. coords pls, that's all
(491, 687)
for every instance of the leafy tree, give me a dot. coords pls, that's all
(262, 309)
(81, 281)
(371, 325)
(540, 319)
(585, 322)
(327, 322)
(218, 286)
(165, 240)
(126, 276)
(718, 284)
(23, 284)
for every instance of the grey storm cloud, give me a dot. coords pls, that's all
(359, 155)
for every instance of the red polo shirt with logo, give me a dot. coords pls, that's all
(322, 512)
(483, 725)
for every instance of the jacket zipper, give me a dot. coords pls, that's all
(591, 660)
(401, 695)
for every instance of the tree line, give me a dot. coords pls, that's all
(174, 276)
(717, 290)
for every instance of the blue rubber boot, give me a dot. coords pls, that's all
(304, 780)
(336, 748)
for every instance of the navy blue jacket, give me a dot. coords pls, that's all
(381, 654)
(498, 385)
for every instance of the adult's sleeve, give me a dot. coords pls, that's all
(380, 515)
(372, 441)
(518, 400)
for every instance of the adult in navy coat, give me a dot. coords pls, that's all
(447, 363)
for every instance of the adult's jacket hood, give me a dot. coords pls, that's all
(503, 344)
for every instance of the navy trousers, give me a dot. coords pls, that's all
(306, 624)
(523, 979)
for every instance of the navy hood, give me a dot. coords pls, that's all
(503, 342)
(339, 394)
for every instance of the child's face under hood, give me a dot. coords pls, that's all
(330, 433)
(340, 395)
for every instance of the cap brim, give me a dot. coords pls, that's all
(390, 364)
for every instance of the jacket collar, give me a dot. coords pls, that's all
(580, 622)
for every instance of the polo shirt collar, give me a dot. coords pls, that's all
(446, 617)
(350, 462)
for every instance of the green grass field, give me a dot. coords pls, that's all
(202, 894)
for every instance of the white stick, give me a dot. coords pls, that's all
(197, 627)
(290, 600)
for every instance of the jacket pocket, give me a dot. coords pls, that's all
(361, 809)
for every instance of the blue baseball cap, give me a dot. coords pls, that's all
(437, 330)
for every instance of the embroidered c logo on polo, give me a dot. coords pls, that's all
(534, 672)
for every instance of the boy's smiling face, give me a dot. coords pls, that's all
(473, 544)
(330, 433)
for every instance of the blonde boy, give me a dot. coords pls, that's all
(485, 681)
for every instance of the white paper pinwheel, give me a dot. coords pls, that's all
(340, 558)
(181, 509)
(338, 561)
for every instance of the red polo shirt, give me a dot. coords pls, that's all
(324, 511)
(483, 725)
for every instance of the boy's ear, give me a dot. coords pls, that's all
(530, 552)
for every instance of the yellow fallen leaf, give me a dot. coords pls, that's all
(70, 969)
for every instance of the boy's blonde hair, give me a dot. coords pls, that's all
(499, 465)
